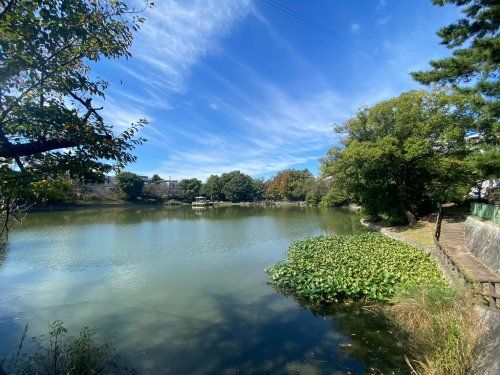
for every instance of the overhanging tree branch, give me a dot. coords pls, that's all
(32, 148)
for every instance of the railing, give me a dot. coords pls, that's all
(487, 287)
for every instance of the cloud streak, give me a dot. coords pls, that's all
(178, 34)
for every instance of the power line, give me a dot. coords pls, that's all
(333, 34)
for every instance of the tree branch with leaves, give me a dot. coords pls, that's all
(49, 123)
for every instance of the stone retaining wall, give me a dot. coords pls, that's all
(482, 238)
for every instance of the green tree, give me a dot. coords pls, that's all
(189, 188)
(156, 179)
(237, 186)
(290, 184)
(258, 188)
(316, 193)
(49, 191)
(49, 124)
(213, 188)
(129, 184)
(403, 155)
(474, 64)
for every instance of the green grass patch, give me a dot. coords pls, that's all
(369, 266)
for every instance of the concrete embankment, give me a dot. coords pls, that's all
(482, 238)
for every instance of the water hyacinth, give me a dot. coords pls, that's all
(369, 266)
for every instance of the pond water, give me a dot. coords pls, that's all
(184, 292)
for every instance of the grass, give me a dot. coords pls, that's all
(421, 232)
(442, 328)
(369, 267)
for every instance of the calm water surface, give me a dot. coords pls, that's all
(184, 292)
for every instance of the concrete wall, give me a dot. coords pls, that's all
(482, 238)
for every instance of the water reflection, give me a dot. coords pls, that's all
(258, 337)
(338, 220)
(181, 292)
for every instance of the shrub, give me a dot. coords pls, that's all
(368, 266)
(49, 191)
(316, 193)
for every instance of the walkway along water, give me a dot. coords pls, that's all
(461, 266)
(450, 240)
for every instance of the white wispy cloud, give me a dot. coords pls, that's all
(274, 131)
(355, 28)
(175, 37)
(120, 116)
(255, 125)
(383, 20)
(177, 34)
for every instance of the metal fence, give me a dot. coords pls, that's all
(486, 211)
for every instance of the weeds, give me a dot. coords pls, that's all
(442, 328)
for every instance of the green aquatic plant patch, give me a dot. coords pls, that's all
(368, 266)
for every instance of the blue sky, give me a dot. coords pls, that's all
(240, 85)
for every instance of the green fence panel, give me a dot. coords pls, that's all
(486, 211)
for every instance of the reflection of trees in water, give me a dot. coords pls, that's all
(3, 252)
(259, 337)
(339, 221)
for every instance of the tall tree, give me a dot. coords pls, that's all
(403, 155)
(156, 179)
(49, 124)
(237, 186)
(130, 184)
(213, 188)
(189, 189)
(290, 184)
(473, 67)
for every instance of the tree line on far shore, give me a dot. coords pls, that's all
(288, 185)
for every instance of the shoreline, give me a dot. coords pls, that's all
(119, 204)
(82, 205)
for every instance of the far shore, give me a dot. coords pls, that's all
(82, 205)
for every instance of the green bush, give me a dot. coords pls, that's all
(368, 266)
(49, 191)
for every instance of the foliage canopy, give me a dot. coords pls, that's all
(130, 184)
(49, 124)
(290, 184)
(189, 189)
(404, 155)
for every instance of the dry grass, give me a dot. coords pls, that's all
(421, 232)
(442, 328)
